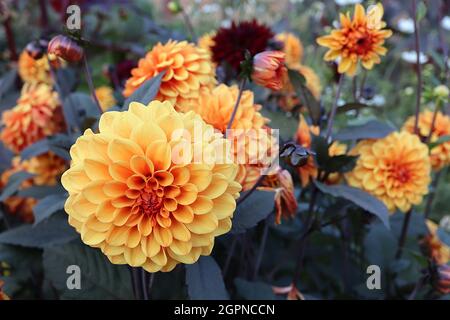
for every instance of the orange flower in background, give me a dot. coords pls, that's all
(3, 295)
(216, 107)
(105, 97)
(285, 202)
(434, 247)
(37, 115)
(206, 41)
(34, 70)
(130, 198)
(395, 169)
(46, 169)
(292, 47)
(440, 154)
(188, 73)
(269, 70)
(336, 149)
(288, 98)
(360, 39)
(303, 138)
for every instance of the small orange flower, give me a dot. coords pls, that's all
(285, 202)
(34, 70)
(288, 98)
(360, 39)
(303, 138)
(292, 47)
(440, 154)
(434, 247)
(395, 169)
(105, 97)
(291, 291)
(37, 115)
(269, 69)
(3, 295)
(189, 72)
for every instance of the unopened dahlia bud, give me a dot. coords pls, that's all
(174, 7)
(269, 69)
(65, 48)
(442, 279)
(441, 91)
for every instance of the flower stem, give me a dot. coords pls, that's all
(236, 106)
(433, 121)
(418, 67)
(334, 108)
(6, 17)
(262, 247)
(403, 234)
(417, 287)
(90, 82)
(188, 23)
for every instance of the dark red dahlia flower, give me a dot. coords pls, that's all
(231, 43)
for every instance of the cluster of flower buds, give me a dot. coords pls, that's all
(65, 48)
(295, 155)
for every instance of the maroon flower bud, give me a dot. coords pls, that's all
(36, 49)
(65, 48)
(442, 279)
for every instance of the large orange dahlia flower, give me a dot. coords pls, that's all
(360, 39)
(188, 72)
(440, 154)
(130, 198)
(395, 169)
(37, 115)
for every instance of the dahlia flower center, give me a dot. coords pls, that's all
(359, 42)
(401, 173)
(150, 203)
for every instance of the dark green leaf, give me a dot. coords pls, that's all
(373, 129)
(358, 197)
(53, 231)
(380, 245)
(439, 141)
(40, 192)
(421, 11)
(14, 183)
(252, 210)
(48, 206)
(320, 146)
(342, 163)
(100, 279)
(36, 149)
(204, 280)
(254, 290)
(299, 84)
(146, 92)
(7, 83)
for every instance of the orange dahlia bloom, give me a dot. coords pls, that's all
(105, 97)
(46, 169)
(132, 197)
(285, 202)
(303, 138)
(37, 115)
(292, 47)
(435, 248)
(34, 70)
(3, 295)
(206, 42)
(440, 154)
(188, 72)
(360, 39)
(269, 70)
(288, 98)
(395, 169)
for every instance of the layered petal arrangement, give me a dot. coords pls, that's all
(34, 70)
(396, 169)
(357, 39)
(439, 154)
(188, 72)
(269, 70)
(37, 115)
(143, 200)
